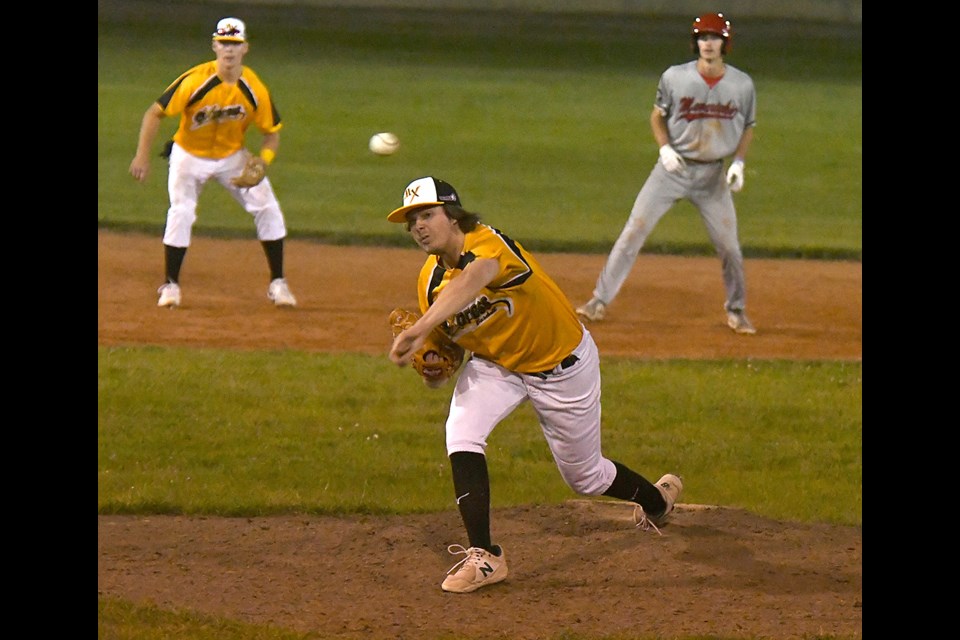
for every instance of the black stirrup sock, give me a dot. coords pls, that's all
(630, 485)
(274, 252)
(471, 483)
(173, 261)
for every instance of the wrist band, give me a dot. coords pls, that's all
(268, 155)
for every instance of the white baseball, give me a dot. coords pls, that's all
(384, 144)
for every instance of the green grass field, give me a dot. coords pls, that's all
(540, 121)
(317, 433)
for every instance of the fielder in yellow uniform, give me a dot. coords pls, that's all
(216, 101)
(492, 297)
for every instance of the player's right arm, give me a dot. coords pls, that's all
(457, 294)
(670, 158)
(461, 291)
(658, 124)
(149, 126)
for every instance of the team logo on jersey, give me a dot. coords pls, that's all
(476, 314)
(215, 113)
(691, 110)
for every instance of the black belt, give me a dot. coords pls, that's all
(566, 363)
(692, 161)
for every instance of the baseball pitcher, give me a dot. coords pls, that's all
(489, 295)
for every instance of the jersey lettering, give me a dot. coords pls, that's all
(691, 110)
(478, 312)
(214, 114)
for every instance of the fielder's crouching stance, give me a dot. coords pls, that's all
(490, 296)
(217, 102)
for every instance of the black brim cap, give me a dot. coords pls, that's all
(424, 192)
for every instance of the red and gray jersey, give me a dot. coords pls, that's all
(705, 123)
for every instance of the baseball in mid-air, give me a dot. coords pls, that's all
(384, 143)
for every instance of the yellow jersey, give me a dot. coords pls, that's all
(503, 324)
(214, 115)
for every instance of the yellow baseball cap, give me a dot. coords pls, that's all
(424, 192)
(231, 30)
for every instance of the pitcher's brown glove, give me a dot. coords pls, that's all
(439, 358)
(252, 174)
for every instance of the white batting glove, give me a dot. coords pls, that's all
(672, 161)
(735, 175)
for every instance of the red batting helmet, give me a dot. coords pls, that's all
(713, 23)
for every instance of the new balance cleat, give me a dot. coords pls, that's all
(479, 568)
(669, 487)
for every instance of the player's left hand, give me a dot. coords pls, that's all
(434, 356)
(254, 170)
(735, 176)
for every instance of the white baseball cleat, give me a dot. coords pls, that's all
(279, 292)
(169, 295)
(738, 321)
(669, 487)
(479, 569)
(594, 310)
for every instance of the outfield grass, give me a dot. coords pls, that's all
(540, 121)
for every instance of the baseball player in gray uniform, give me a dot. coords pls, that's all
(704, 112)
